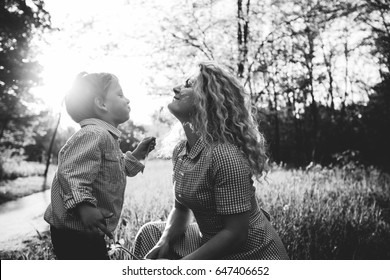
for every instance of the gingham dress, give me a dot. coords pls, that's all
(213, 181)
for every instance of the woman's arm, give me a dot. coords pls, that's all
(232, 236)
(232, 192)
(176, 225)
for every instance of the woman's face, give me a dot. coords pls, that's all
(182, 104)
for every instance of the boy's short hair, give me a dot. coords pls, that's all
(80, 100)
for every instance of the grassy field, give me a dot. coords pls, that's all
(24, 182)
(319, 213)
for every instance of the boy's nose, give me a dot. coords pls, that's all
(176, 89)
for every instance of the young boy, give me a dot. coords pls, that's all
(88, 188)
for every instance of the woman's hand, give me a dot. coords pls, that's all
(160, 251)
(177, 222)
(144, 147)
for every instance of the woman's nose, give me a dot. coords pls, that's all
(176, 89)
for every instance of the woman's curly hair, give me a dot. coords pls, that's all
(224, 115)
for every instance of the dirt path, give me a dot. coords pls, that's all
(21, 219)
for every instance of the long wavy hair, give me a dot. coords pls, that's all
(224, 114)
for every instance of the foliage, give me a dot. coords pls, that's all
(38, 151)
(17, 167)
(301, 62)
(376, 120)
(21, 22)
(22, 178)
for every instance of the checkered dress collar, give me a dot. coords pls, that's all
(113, 130)
(195, 150)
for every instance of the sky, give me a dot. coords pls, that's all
(98, 36)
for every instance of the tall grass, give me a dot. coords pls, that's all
(331, 213)
(319, 213)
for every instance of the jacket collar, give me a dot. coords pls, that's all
(195, 150)
(113, 130)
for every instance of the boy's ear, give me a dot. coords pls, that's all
(99, 102)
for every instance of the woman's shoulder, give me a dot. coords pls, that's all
(228, 152)
(226, 149)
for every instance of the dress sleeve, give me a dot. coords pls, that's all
(233, 187)
(132, 165)
(79, 165)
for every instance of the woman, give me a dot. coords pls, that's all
(212, 177)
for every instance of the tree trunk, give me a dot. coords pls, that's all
(346, 77)
(4, 124)
(329, 68)
(276, 127)
(242, 36)
(313, 105)
(49, 152)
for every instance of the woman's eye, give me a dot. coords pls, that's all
(188, 84)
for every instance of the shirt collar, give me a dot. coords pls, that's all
(113, 130)
(195, 150)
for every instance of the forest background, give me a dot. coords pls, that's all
(317, 73)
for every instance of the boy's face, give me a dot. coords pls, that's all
(117, 105)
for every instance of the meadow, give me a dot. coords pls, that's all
(19, 178)
(320, 213)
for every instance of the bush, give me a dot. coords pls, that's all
(15, 166)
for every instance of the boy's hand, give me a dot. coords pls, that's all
(93, 218)
(144, 147)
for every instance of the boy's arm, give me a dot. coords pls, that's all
(79, 165)
(133, 166)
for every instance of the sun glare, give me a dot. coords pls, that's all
(74, 49)
(60, 72)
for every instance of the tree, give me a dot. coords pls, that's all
(376, 115)
(20, 22)
(301, 62)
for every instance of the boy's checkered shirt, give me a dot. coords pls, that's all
(92, 169)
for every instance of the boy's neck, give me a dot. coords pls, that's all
(108, 120)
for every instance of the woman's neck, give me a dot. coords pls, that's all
(191, 136)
